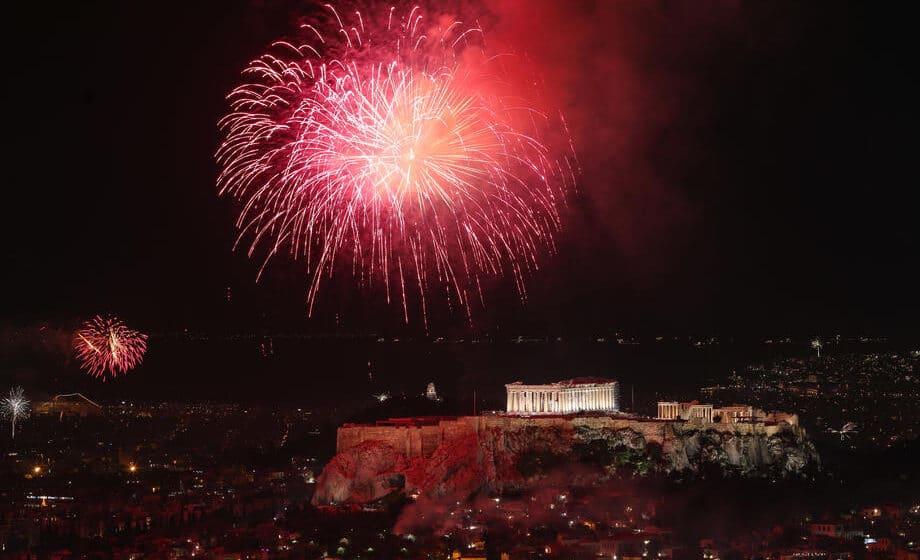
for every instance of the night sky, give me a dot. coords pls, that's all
(748, 167)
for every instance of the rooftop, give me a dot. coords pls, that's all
(573, 381)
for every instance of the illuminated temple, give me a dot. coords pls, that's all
(582, 394)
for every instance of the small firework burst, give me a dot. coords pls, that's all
(106, 347)
(16, 407)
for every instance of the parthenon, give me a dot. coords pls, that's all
(582, 394)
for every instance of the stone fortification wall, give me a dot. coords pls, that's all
(420, 437)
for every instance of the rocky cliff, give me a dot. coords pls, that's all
(496, 458)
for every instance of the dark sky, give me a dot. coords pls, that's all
(748, 167)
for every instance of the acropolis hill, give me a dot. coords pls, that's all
(420, 437)
(447, 456)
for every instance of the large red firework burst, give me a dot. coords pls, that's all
(106, 347)
(394, 148)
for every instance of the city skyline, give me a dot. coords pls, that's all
(459, 279)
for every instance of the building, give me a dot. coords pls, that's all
(736, 413)
(826, 529)
(733, 414)
(72, 404)
(431, 393)
(668, 410)
(582, 394)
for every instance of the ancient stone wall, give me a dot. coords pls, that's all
(421, 439)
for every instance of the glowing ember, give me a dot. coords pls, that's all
(390, 148)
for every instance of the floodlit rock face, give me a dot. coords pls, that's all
(498, 453)
(787, 452)
(361, 474)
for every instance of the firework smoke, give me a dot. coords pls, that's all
(106, 347)
(16, 407)
(389, 145)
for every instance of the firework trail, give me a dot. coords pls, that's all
(385, 145)
(15, 407)
(105, 346)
